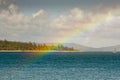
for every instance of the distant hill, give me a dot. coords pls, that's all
(111, 48)
(79, 47)
(84, 48)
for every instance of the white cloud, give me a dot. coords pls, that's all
(102, 27)
(92, 28)
(40, 14)
(14, 25)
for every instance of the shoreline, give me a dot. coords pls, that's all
(35, 51)
(44, 51)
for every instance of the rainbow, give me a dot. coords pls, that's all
(87, 28)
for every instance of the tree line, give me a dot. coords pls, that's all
(14, 45)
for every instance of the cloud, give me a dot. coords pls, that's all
(40, 14)
(4, 4)
(100, 26)
(15, 25)
(90, 27)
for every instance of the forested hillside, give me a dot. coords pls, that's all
(13, 45)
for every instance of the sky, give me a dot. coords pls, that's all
(93, 23)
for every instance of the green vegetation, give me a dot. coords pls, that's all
(13, 45)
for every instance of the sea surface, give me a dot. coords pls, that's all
(60, 66)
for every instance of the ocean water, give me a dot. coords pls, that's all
(60, 66)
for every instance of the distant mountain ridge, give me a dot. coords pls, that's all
(110, 48)
(85, 48)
